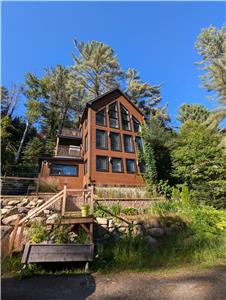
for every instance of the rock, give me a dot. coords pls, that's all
(9, 206)
(110, 223)
(137, 230)
(154, 223)
(102, 221)
(25, 201)
(156, 232)
(23, 210)
(39, 202)
(169, 231)
(10, 220)
(112, 229)
(4, 211)
(151, 241)
(38, 219)
(122, 229)
(137, 222)
(14, 202)
(51, 219)
(46, 211)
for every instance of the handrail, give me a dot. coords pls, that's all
(42, 207)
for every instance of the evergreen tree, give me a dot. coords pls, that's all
(97, 67)
(193, 112)
(211, 45)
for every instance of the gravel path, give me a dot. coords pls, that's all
(201, 285)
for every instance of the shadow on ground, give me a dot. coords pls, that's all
(207, 284)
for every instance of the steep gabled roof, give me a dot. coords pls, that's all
(89, 103)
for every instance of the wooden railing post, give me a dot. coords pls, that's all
(13, 236)
(91, 199)
(64, 200)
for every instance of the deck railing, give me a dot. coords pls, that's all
(69, 151)
(69, 132)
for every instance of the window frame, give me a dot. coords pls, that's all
(135, 166)
(134, 120)
(138, 137)
(106, 141)
(121, 165)
(117, 111)
(65, 175)
(120, 141)
(86, 143)
(107, 158)
(122, 107)
(85, 166)
(105, 117)
(124, 135)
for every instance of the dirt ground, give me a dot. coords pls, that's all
(181, 285)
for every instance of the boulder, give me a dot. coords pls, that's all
(169, 231)
(25, 201)
(4, 211)
(110, 223)
(102, 221)
(14, 202)
(137, 230)
(151, 241)
(40, 202)
(10, 220)
(23, 210)
(52, 219)
(122, 229)
(38, 219)
(154, 223)
(156, 232)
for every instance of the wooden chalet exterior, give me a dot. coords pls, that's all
(103, 151)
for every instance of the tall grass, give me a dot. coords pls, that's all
(201, 240)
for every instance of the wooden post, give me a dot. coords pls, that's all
(64, 200)
(91, 199)
(20, 236)
(13, 237)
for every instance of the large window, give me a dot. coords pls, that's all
(113, 115)
(130, 166)
(85, 167)
(125, 119)
(128, 143)
(115, 141)
(139, 143)
(101, 117)
(101, 139)
(117, 165)
(86, 143)
(136, 125)
(142, 167)
(63, 170)
(102, 163)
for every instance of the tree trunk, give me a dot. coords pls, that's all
(21, 142)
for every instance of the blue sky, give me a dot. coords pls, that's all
(156, 38)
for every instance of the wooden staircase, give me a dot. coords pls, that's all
(67, 217)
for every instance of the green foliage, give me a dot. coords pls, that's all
(37, 233)
(211, 45)
(200, 238)
(98, 210)
(116, 209)
(32, 151)
(60, 233)
(192, 112)
(130, 211)
(164, 188)
(197, 156)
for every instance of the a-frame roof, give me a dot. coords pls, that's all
(98, 98)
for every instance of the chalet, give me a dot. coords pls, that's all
(103, 151)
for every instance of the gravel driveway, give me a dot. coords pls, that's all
(206, 284)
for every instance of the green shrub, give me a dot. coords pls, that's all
(130, 211)
(116, 209)
(37, 233)
(98, 210)
(60, 233)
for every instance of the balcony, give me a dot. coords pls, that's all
(71, 133)
(68, 151)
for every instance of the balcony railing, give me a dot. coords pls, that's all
(68, 151)
(71, 132)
